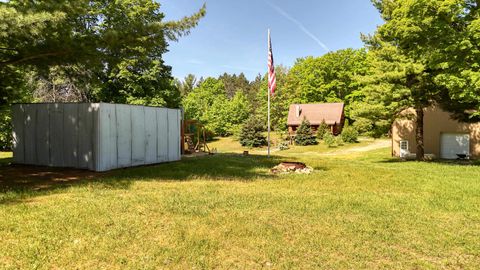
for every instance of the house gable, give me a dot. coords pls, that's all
(331, 113)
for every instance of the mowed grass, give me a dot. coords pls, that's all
(356, 211)
(231, 145)
(5, 158)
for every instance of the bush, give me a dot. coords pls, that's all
(5, 130)
(251, 134)
(283, 146)
(329, 139)
(282, 134)
(339, 141)
(236, 131)
(349, 134)
(322, 130)
(304, 135)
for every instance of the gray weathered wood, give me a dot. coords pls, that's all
(30, 134)
(42, 134)
(85, 136)
(70, 135)
(56, 134)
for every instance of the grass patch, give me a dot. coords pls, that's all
(5, 158)
(230, 145)
(358, 210)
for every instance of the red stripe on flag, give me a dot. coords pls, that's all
(272, 81)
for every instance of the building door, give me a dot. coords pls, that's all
(454, 144)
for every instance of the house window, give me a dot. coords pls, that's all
(404, 148)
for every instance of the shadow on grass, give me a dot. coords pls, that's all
(437, 161)
(19, 182)
(5, 161)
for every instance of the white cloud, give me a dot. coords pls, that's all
(298, 24)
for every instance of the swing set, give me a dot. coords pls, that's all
(194, 136)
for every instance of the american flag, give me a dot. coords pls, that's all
(272, 80)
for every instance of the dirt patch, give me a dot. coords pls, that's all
(377, 144)
(16, 177)
(291, 167)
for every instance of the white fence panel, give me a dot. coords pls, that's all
(42, 134)
(30, 130)
(162, 139)
(173, 135)
(138, 135)
(56, 134)
(124, 134)
(86, 114)
(70, 135)
(150, 135)
(95, 136)
(107, 156)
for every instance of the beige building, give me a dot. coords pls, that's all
(443, 137)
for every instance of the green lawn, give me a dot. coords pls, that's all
(359, 210)
(5, 158)
(230, 145)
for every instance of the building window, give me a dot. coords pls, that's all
(404, 145)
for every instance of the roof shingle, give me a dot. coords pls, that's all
(316, 113)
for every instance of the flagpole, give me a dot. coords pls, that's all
(268, 134)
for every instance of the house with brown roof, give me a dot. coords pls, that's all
(331, 113)
(443, 136)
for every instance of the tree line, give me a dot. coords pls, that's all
(226, 102)
(426, 53)
(86, 50)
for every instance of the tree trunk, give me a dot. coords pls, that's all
(419, 134)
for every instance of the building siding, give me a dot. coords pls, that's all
(95, 136)
(436, 122)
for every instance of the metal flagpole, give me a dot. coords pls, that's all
(268, 78)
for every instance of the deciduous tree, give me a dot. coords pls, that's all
(427, 52)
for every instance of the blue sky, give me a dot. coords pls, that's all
(232, 37)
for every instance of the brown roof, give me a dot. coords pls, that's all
(316, 113)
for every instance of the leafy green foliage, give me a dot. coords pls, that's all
(235, 84)
(339, 141)
(187, 85)
(251, 135)
(280, 101)
(445, 34)
(349, 134)
(13, 89)
(329, 140)
(329, 78)
(109, 51)
(210, 104)
(282, 146)
(304, 134)
(426, 53)
(121, 42)
(5, 130)
(322, 130)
